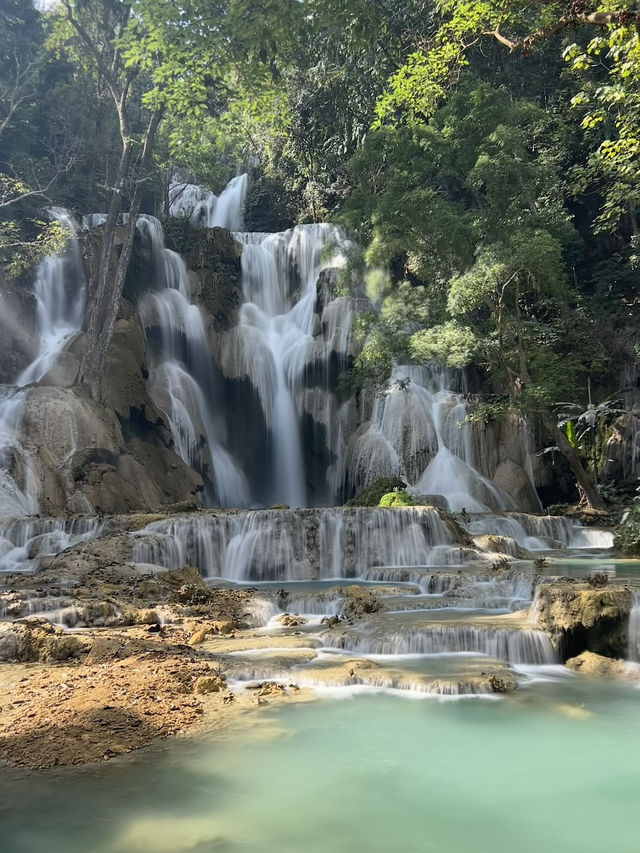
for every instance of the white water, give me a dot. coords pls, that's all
(304, 545)
(633, 652)
(182, 381)
(207, 210)
(59, 291)
(23, 542)
(271, 345)
(418, 432)
(539, 533)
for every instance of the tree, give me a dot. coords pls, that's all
(28, 168)
(468, 209)
(162, 54)
(415, 90)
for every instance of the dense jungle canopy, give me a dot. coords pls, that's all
(482, 155)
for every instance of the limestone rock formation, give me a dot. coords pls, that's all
(597, 666)
(580, 618)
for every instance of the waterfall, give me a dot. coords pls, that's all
(539, 533)
(23, 542)
(207, 210)
(271, 545)
(292, 341)
(272, 344)
(417, 432)
(59, 290)
(182, 381)
(516, 646)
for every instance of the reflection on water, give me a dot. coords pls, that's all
(553, 768)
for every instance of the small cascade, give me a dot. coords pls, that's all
(207, 210)
(269, 545)
(23, 542)
(504, 591)
(633, 653)
(60, 298)
(539, 533)
(183, 382)
(417, 432)
(513, 645)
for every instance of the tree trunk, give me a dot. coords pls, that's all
(585, 484)
(98, 290)
(105, 294)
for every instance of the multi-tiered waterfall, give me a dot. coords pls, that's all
(292, 340)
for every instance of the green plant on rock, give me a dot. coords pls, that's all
(372, 494)
(396, 499)
(627, 532)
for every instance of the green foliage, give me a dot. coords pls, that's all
(23, 245)
(627, 533)
(397, 498)
(449, 343)
(490, 411)
(372, 494)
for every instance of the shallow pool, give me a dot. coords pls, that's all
(552, 769)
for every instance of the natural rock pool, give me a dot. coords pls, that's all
(552, 768)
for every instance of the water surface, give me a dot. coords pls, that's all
(554, 768)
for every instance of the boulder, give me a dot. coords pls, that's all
(209, 684)
(579, 617)
(37, 640)
(17, 327)
(358, 602)
(511, 478)
(291, 620)
(597, 666)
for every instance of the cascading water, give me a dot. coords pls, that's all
(207, 210)
(306, 544)
(271, 344)
(60, 297)
(292, 340)
(182, 382)
(417, 432)
(633, 652)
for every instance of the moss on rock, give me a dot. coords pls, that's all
(214, 256)
(627, 533)
(397, 498)
(372, 494)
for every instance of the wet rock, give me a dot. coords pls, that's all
(359, 602)
(35, 639)
(209, 684)
(291, 620)
(331, 621)
(268, 688)
(502, 681)
(597, 666)
(580, 618)
(212, 629)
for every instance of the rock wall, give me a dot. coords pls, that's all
(17, 327)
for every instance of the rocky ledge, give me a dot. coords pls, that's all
(132, 669)
(584, 616)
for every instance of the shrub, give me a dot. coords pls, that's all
(399, 498)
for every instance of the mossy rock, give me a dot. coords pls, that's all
(373, 493)
(627, 533)
(214, 256)
(399, 498)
